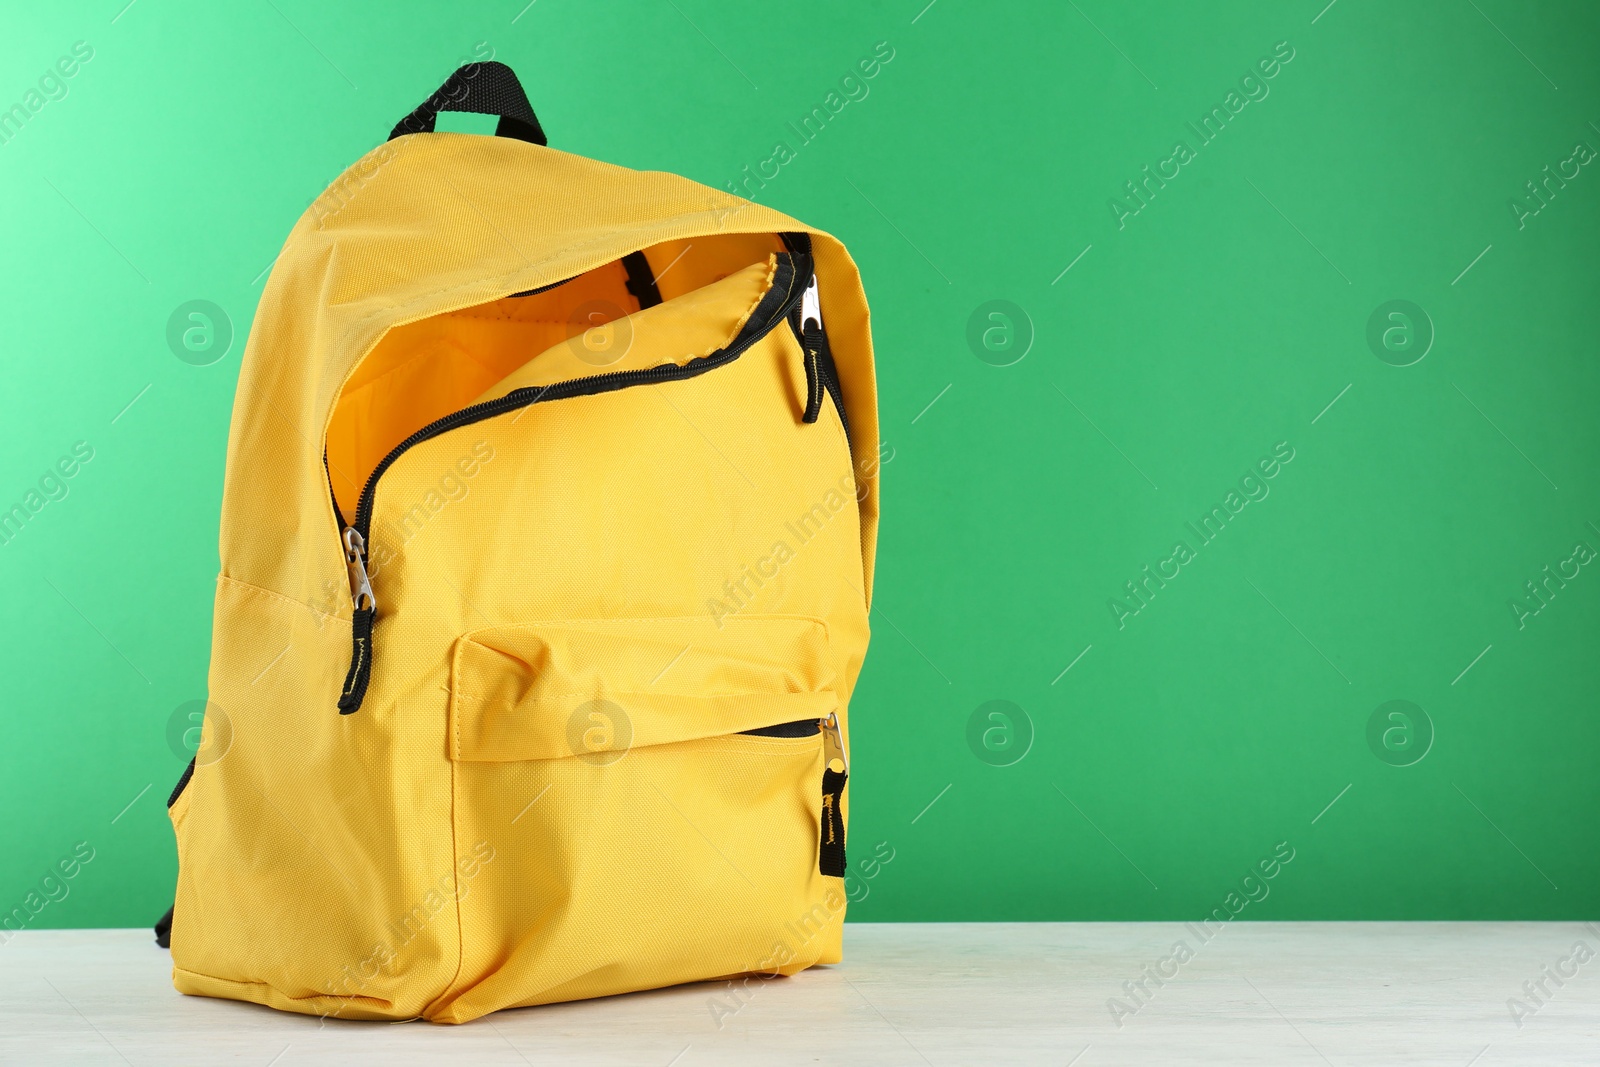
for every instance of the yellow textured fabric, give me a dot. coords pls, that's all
(581, 603)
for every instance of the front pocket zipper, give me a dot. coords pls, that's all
(792, 281)
(830, 855)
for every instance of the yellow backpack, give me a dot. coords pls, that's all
(547, 543)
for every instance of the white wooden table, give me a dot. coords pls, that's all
(1258, 993)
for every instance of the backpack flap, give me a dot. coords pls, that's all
(544, 691)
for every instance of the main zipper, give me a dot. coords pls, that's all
(789, 285)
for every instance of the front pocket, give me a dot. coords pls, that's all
(650, 797)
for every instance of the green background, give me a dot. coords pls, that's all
(1231, 713)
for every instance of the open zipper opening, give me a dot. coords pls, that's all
(791, 279)
(835, 774)
(798, 728)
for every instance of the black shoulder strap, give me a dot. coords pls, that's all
(483, 89)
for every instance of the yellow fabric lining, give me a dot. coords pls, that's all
(428, 369)
(693, 325)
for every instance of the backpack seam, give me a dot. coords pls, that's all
(455, 868)
(256, 590)
(470, 635)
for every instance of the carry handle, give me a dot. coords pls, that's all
(489, 88)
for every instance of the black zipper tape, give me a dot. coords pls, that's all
(544, 288)
(183, 783)
(781, 299)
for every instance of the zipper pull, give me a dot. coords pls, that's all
(355, 551)
(812, 339)
(830, 860)
(822, 376)
(354, 690)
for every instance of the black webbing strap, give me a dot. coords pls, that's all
(483, 89)
(641, 280)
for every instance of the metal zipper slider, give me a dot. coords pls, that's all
(831, 732)
(355, 551)
(810, 305)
